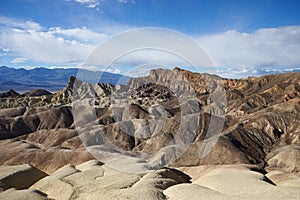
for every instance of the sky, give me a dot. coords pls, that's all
(241, 37)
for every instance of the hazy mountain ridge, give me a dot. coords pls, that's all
(23, 80)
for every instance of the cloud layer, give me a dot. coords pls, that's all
(50, 46)
(264, 47)
(234, 53)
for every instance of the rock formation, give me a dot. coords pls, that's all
(95, 180)
(171, 118)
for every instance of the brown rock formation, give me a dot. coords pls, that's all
(166, 118)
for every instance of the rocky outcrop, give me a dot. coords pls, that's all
(19, 177)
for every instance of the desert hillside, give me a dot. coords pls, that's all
(207, 127)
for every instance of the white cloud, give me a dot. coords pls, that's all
(51, 46)
(44, 46)
(115, 71)
(97, 3)
(263, 47)
(149, 45)
(83, 34)
(88, 3)
(19, 60)
(28, 25)
(269, 47)
(240, 72)
(54, 45)
(6, 50)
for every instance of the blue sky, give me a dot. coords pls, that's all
(242, 37)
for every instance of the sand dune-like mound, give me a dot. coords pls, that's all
(96, 180)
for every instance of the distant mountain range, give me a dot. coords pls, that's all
(23, 80)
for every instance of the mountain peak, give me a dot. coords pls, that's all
(10, 93)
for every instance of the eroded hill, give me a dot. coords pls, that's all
(169, 118)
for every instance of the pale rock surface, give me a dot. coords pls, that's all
(13, 194)
(97, 181)
(282, 178)
(20, 177)
(231, 182)
(195, 192)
